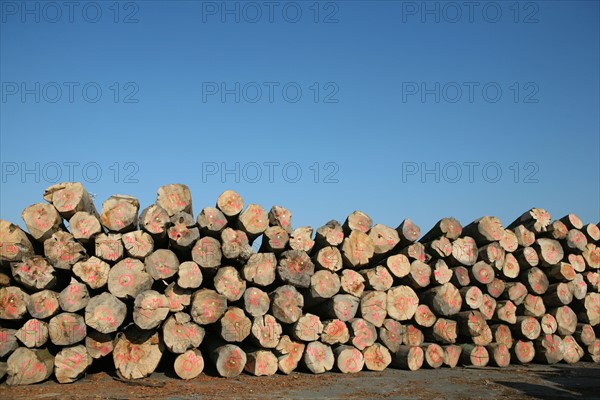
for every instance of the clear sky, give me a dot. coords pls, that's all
(400, 109)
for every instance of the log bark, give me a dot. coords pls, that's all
(137, 353)
(260, 269)
(26, 367)
(348, 360)
(71, 363)
(42, 220)
(128, 278)
(174, 198)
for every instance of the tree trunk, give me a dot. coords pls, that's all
(207, 306)
(402, 303)
(150, 309)
(256, 302)
(13, 303)
(499, 355)
(434, 355)
(282, 217)
(174, 198)
(474, 355)
(408, 357)
(484, 230)
(266, 331)
(289, 354)
(362, 333)
(301, 239)
(452, 355)
(523, 351)
(379, 278)
(25, 367)
(287, 303)
(352, 283)
(254, 220)
(34, 333)
(566, 320)
(109, 247)
(358, 221)
(260, 269)
(66, 329)
(42, 220)
(211, 222)
(74, 297)
(261, 363)
(189, 365)
(40, 305)
(391, 335)
(128, 278)
(377, 357)
(373, 307)
(84, 226)
(348, 359)
(234, 325)
(444, 300)
(155, 220)
(229, 360)
(189, 275)
(120, 213)
(275, 240)
(34, 273)
(308, 328)
(527, 328)
(295, 268)
(446, 227)
(230, 204)
(357, 249)
(329, 258)
(335, 331)
(318, 357)
(549, 349)
(229, 283)
(71, 363)
(14, 243)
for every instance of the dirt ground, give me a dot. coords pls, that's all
(581, 381)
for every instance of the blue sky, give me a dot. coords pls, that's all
(500, 103)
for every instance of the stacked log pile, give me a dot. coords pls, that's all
(158, 288)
